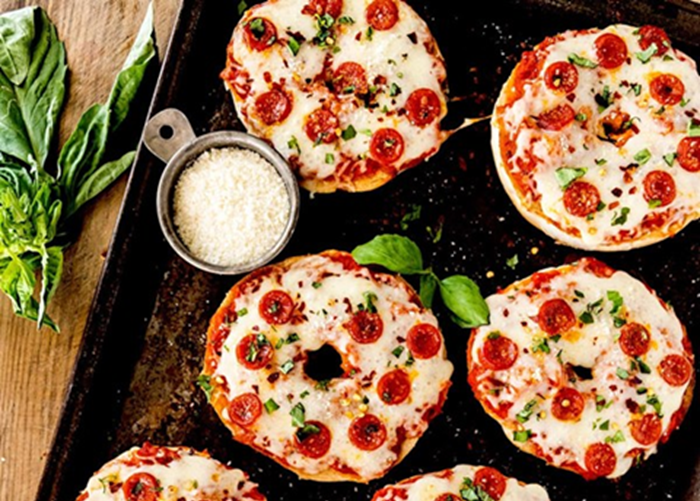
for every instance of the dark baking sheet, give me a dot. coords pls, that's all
(144, 341)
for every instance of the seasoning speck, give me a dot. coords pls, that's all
(230, 206)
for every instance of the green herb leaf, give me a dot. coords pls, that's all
(622, 373)
(394, 90)
(693, 128)
(298, 414)
(522, 436)
(100, 180)
(541, 344)
(413, 214)
(620, 219)
(646, 55)
(643, 156)
(616, 299)
(287, 367)
(271, 406)
(349, 133)
(293, 45)
(346, 20)
(616, 438)
(428, 285)
(581, 61)
(204, 382)
(670, 158)
(394, 252)
(567, 175)
(524, 415)
(397, 351)
(512, 262)
(605, 426)
(242, 7)
(463, 298)
(654, 203)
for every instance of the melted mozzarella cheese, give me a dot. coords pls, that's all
(326, 310)
(536, 376)
(390, 55)
(579, 144)
(432, 485)
(192, 476)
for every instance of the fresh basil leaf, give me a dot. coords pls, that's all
(96, 183)
(16, 36)
(463, 298)
(131, 75)
(51, 271)
(567, 175)
(394, 252)
(581, 61)
(428, 285)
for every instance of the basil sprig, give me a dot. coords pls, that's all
(36, 200)
(401, 255)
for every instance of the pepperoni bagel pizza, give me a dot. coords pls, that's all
(459, 483)
(153, 473)
(351, 92)
(354, 427)
(596, 138)
(584, 367)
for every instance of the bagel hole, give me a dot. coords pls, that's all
(323, 364)
(166, 132)
(583, 373)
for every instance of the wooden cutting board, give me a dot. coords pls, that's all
(35, 367)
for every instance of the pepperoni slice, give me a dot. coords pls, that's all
(365, 327)
(654, 35)
(646, 430)
(387, 145)
(567, 404)
(394, 387)
(314, 445)
(424, 341)
(561, 77)
(320, 7)
(675, 369)
(556, 118)
(556, 316)
(491, 481)
(382, 15)
(659, 185)
(600, 459)
(252, 353)
(245, 409)
(321, 126)
(634, 339)
(276, 307)
(611, 51)
(260, 33)
(423, 107)
(367, 432)
(581, 199)
(273, 107)
(350, 78)
(667, 89)
(499, 352)
(689, 153)
(141, 487)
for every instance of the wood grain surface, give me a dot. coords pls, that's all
(35, 366)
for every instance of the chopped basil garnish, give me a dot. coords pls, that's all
(394, 90)
(620, 219)
(541, 344)
(330, 158)
(397, 351)
(204, 382)
(306, 430)
(581, 117)
(643, 368)
(293, 45)
(242, 7)
(619, 322)
(293, 144)
(322, 385)
(654, 203)
(287, 367)
(524, 415)
(601, 161)
(642, 156)
(646, 55)
(349, 133)
(591, 309)
(257, 27)
(637, 89)
(493, 335)
(522, 436)
(600, 403)
(512, 262)
(316, 285)
(298, 414)
(567, 175)
(669, 159)
(684, 101)
(370, 33)
(616, 299)
(604, 99)
(242, 312)
(581, 61)
(654, 401)
(346, 20)
(605, 426)
(413, 214)
(622, 373)
(616, 438)
(410, 360)
(693, 128)
(271, 406)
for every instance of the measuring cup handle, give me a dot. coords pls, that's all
(167, 132)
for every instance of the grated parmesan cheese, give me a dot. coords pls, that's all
(230, 206)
